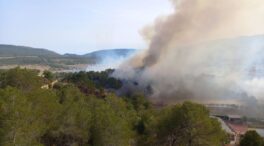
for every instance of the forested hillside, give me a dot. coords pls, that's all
(82, 109)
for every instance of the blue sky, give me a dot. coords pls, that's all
(78, 26)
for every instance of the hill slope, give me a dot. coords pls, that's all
(13, 51)
(11, 55)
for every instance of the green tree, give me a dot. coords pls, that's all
(24, 79)
(48, 75)
(188, 124)
(111, 124)
(73, 121)
(145, 126)
(252, 138)
(25, 117)
(138, 101)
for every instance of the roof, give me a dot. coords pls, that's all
(234, 116)
(238, 128)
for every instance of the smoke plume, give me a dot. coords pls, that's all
(206, 51)
(110, 58)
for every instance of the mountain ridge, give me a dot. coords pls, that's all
(4, 47)
(7, 50)
(14, 55)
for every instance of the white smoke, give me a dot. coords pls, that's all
(110, 60)
(198, 53)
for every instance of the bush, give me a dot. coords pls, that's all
(252, 138)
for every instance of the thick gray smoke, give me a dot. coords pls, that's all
(207, 51)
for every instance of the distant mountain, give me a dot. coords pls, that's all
(115, 52)
(11, 55)
(12, 51)
(111, 54)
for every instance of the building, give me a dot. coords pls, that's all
(234, 125)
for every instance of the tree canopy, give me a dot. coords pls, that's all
(67, 115)
(188, 124)
(24, 79)
(252, 138)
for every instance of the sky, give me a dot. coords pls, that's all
(78, 26)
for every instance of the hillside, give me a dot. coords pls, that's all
(11, 55)
(15, 51)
